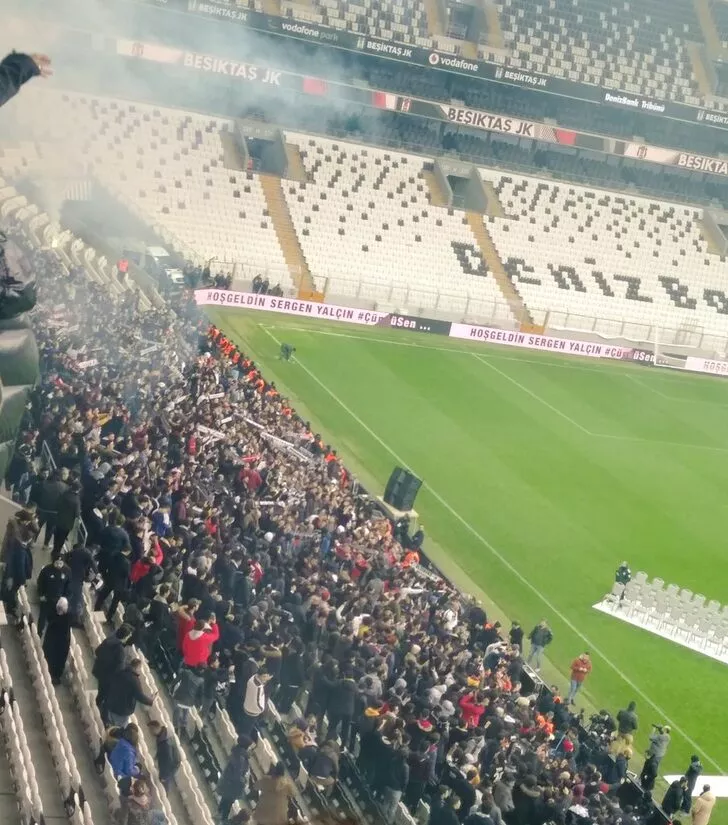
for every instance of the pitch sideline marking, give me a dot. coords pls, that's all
(635, 439)
(533, 395)
(504, 561)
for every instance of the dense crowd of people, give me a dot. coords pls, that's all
(228, 530)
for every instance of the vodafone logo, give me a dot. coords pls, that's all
(434, 58)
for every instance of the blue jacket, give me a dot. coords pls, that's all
(123, 759)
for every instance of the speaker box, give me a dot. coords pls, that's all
(402, 489)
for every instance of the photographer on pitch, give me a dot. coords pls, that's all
(659, 743)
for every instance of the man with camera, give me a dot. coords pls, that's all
(659, 742)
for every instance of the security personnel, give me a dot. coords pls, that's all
(54, 581)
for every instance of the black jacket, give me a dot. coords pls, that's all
(109, 660)
(53, 582)
(673, 799)
(124, 693)
(15, 70)
(235, 776)
(168, 758)
(68, 509)
(50, 493)
(342, 698)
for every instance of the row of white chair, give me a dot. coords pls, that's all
(677, 612)
(17, 750)
(69, 779)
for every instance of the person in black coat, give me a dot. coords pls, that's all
(68, 512)
(234, 779)
(340, 710)
(293, 675)
(83, 569)
(109, 662)
(18, 569)
(324, 681)
(674, 797)
(116, 581)
(54, 582)
(57, 640)
(17, 69)
(124, 693)
(167, 756)
(48, 496)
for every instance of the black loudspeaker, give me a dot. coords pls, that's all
(402, 489)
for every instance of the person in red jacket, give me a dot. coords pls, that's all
(473, 707)
(580, 669)
(186, 620)
(197, 644)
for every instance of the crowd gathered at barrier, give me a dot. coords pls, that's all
(223, 525)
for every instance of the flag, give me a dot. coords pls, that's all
(384, 100)
(315, 86)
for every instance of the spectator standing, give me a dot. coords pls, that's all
(540, 637)
(515, 635)
(341, 706)
(68, 511)
(54, 583)
(254, 703)
(627, 721)
(57, 640)
(580, 669)
(674, 797)
(167, 755)
(83, 569)
(123, 694)
(18, 569)
(197, 643)
(48, 495)
(187, 694)
(109, 659)
(703, 807)
(395, 783)
(233, 784)
(276, 791)
(695, 768)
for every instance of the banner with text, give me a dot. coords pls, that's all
(547, 343)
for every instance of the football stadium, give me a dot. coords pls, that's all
(362, 397)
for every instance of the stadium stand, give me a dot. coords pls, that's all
(176, 175)
(638, 47)
(368, 228)
(376, 205)
(389, 20)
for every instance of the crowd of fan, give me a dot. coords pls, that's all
(226, 528)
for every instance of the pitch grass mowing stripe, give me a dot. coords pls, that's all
(504, 561)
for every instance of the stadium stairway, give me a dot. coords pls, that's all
(9, 812)
(494, 36)
(435, 21)
(708, 27)
(285, 232)
(437, 196)
(295, 169)
(38, 763)
(697, 55)
(495, 265)
(231, 157)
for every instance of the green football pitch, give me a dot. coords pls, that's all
(541, 474)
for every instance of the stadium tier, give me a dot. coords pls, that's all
(639, 47)
(366, 225)
(404, 22)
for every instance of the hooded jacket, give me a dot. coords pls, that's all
(168, 758)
